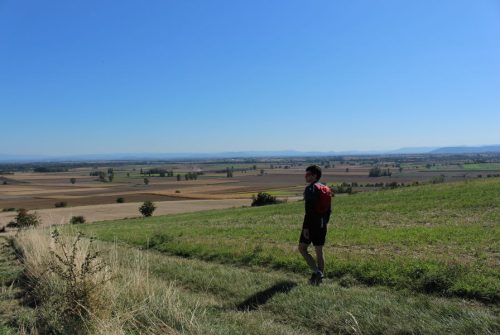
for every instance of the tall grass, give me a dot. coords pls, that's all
(123, 297)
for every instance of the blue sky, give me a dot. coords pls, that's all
(208, 76)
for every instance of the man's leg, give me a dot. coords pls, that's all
(320, 258)
(307, 256)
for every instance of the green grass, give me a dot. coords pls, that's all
(10, 307)
(441, 239)
(482, 166)
(328, 309)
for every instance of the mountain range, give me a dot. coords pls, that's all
(5, 158)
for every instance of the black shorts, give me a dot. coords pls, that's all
(317, 236)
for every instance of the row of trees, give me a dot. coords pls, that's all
(378, 172)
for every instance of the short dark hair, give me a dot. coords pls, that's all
(315, 170)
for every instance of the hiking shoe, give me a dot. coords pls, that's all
(312, 280)
(316, 278)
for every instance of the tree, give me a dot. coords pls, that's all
(102, 176)
(178, 177)
(111, 177)
(72, 180)
(147, 208)
(146, 181)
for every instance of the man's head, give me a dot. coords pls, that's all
(313, 174)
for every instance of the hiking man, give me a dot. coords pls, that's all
(317, 199)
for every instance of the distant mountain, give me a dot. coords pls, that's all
(22, 158)
(4, 158)
(413, 150)
(467, 150)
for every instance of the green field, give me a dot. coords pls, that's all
(482, 166)
(10, 270)
(440, 239)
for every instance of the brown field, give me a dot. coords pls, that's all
(97, 200)
(94, 213)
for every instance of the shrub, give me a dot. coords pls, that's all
(10, 209)
(61, 204)
(342, 188)
(438, 179)
(5, 182)
(120, 200)
(378, 172)
(24, 219)
(263, 199)
(147, 208)
(72, 180)
(77, 219)
(65, 307)
(146, 181)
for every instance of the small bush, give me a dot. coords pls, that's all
(24, 220)
(61, 204)
(66, 307)
(438, 179)
(147, 208)
(77, 219)
(10, 209)
(5, 182)
(342, 188)
(177, 191)
(263, 199)
(120, 200)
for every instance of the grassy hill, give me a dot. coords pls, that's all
(441, 239)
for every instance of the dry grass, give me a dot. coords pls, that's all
(131, 301)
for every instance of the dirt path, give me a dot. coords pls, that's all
(94, 213)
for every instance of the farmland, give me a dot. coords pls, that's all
(420, 253)
(417, 258)
(77, 185)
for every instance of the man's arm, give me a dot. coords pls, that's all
(309, 199)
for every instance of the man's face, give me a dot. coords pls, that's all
(310, 178)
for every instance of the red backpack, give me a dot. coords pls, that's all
(324, 203)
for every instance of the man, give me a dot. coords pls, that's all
(317, 199)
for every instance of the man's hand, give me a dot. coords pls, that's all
(305, 232)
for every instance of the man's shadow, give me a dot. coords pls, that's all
(260, 298)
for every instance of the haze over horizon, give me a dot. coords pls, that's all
(204, 77)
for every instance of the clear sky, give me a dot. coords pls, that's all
(99, 76)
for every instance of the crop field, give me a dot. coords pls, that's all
(283, 178)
